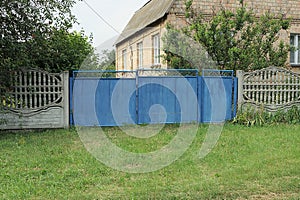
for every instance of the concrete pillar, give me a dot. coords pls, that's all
(240, 76)
(66, 107)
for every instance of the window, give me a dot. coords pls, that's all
(140, 55)
(131, 58)
(295, 52)
(124, 59)
(156, 49)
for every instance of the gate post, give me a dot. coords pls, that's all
(66, 108)
(240, 76)
(137, 97)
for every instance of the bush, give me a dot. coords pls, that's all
(260, 117)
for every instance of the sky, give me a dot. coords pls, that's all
(116, 13)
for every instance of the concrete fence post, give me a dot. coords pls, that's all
(240, 76)
(66, 107)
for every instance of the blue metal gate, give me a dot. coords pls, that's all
(167, 100)
(152, 99)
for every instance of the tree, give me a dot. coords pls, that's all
(182, 52)
(23, 20)
(64, 51)
(36, 34)
(239, 39)
(108, 60)
(25, 24)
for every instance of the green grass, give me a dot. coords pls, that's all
(247, 163)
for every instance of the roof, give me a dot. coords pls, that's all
(152, 11)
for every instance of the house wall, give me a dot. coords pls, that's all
(176, 17)
(291, 9)
(130, 45)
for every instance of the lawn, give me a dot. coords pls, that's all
(247, 163)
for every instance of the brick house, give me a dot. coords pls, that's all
(140, 44)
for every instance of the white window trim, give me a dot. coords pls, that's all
(124, 59)
(131, 58)
(156, 49)
(296, 51)
(140, 54)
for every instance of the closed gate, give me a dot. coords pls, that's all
(155, 97)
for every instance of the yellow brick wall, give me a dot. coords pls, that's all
(291, 8)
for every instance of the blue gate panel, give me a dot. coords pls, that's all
(116, 102)
(200, 83)
(104, 102)
(84, 112)
(216, 99)
(186, 92)
(167, 100)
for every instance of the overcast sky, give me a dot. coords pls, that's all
(116, 13)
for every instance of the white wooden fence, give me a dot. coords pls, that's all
(37, 99)
(271, 88)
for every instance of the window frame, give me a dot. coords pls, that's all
(156, 49)
(140, 55)
(295, 53)
(131, 57)
(124, 59)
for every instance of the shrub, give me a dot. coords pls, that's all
(259, 117)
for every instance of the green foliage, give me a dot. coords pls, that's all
(259, 117)
(36, 34)
(182, 52)
(251, 117)
(176, 49)
(238, 39)
(26, 24)
(63, 51)
(108, 60)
